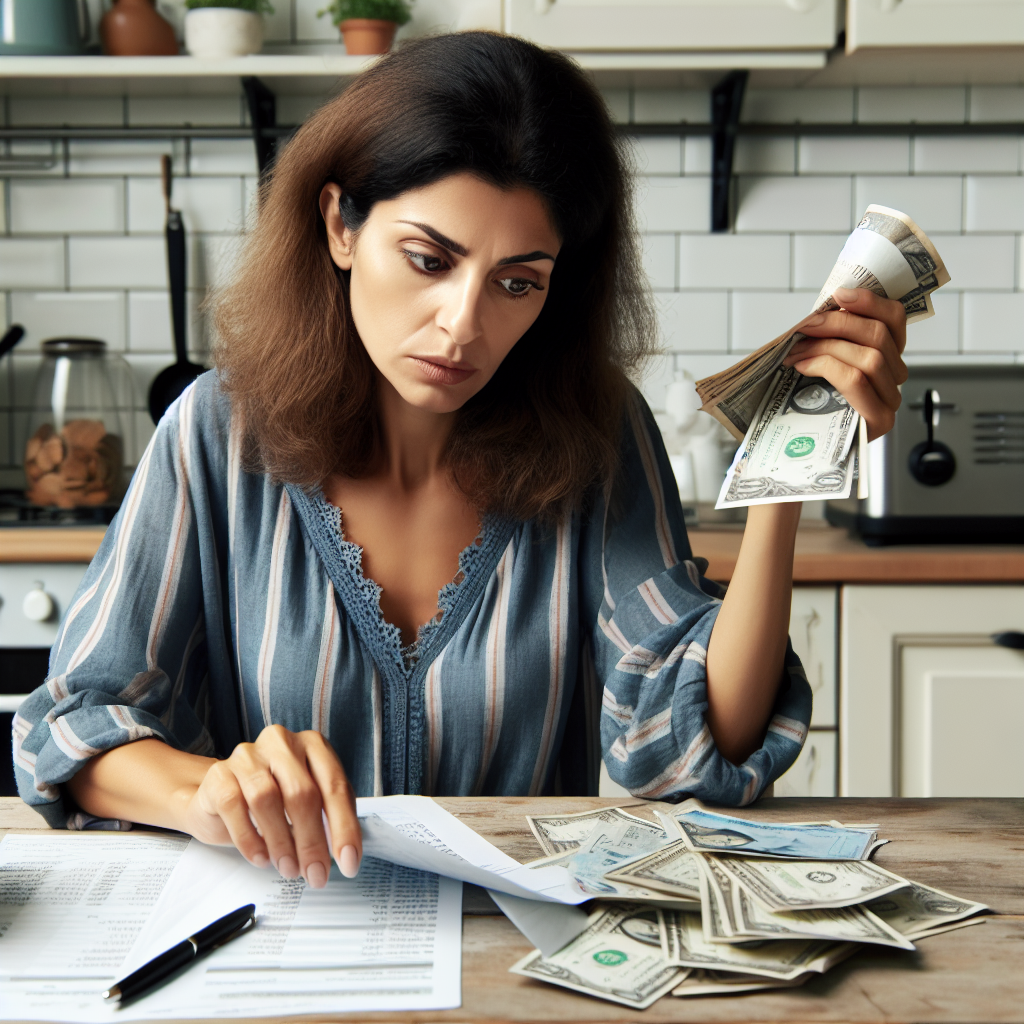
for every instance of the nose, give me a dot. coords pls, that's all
(459, 315)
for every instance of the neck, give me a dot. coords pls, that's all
(413, 439)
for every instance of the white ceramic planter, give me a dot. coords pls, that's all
(222, 32)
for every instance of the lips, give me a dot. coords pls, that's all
(442, 371)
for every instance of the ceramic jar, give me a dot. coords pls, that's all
(367, 35)
(134, 28)
(222, 32)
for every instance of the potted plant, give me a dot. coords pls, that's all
(368, 26)
(224, 28)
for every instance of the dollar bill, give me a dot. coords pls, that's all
(718, 983)
(852, 924)
(797, 447)
(800, 438)
(608, 847)
(617, 957)
(781, 885)
(562, 833)
(918, 909)
(672, 869)
(709, 832)
(785, 960)
(886, 253)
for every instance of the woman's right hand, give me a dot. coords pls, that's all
(266, 799)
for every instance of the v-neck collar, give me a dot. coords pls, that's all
(401, 677)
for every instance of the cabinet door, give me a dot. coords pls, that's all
(933, 23)
(814, 771)
(674, 24)
(880, 627)
(812, 629)
(961, 714)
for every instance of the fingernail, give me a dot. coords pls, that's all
(288, 867)
(316, 875)
(261, 860)
(845, 294)
(815, 321)
(349, 862)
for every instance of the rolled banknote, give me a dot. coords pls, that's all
(801, 440)
(618, 957)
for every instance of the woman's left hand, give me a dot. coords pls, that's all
(858, 350)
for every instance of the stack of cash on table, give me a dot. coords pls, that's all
(706, 903)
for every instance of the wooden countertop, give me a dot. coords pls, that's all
(970, 848)
(830, 555)
(823, 555)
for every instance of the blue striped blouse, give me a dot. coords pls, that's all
(221, 602)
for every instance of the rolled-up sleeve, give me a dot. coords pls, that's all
(130, 660)
(653, 613)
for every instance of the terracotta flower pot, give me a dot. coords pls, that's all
(368, 35)
(134, 28)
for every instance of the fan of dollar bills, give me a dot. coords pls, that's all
(798, 433)
(707, 903)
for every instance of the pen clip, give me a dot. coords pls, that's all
(249, 923)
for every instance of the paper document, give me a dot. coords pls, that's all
(389, 939)
(74, 905)
(416, 832)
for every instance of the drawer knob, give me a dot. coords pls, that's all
(38, 605)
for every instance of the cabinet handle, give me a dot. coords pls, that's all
(1012, 638)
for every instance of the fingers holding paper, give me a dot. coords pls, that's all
(858, 350)
(269, 799)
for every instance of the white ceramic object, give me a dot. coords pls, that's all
(222, 32)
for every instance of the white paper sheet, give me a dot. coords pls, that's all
(416, 832)
(78, 903)
(389, 939)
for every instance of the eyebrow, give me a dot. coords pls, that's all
(460, 250)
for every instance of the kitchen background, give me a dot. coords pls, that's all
(82, 252)
(82, 247)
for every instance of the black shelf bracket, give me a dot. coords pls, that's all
(263, 115)
(726, 103)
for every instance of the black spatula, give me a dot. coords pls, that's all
(170, 383)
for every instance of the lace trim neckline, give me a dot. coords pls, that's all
(389, 636)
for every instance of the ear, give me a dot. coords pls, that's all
(340, 240)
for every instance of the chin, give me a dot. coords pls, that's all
(436, 398)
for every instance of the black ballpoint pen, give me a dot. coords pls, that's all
(160, 968)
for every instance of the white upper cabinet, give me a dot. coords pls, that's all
(626, 25)
(934, 23)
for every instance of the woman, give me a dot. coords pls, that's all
(418, 519)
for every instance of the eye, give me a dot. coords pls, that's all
(424, 261)
(517, 287)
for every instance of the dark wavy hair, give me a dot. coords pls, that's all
(546, 427)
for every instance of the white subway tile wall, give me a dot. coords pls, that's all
(82, 249)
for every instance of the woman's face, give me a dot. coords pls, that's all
(445, 279)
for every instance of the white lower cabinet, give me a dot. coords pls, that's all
(929, 704)
(814, 771)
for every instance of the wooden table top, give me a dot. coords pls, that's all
(970, 848)
(823, 555)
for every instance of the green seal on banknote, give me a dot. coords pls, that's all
(799, 447)
(610, 957)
